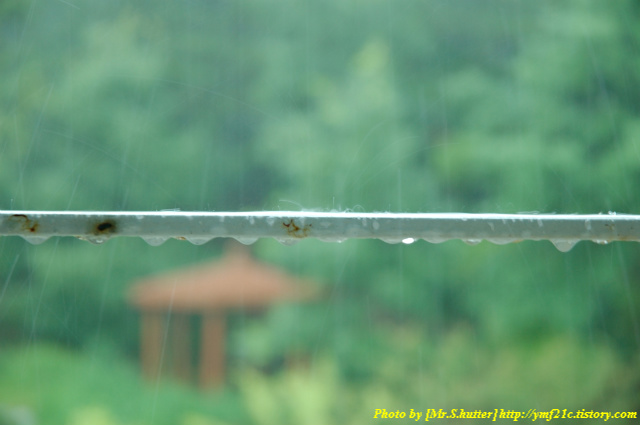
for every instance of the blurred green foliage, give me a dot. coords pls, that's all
(456, 371)
(62, 387)
(55, 386)
(471, 106)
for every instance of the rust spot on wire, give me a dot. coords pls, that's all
(105, 227)
(25, 222)
(296, 231)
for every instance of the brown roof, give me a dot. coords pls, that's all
(235, 281)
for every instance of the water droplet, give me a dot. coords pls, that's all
(35, 240)
(287, 241)
(587, 224)
(408, 241)
(246, 240)
(492, 226)
(252, 220)
(563, 245)
(391, 240)
(332, 239)
(601, 241)
(96, 240)
(198, 240)
(436, 240)
(540, 223)
(154, 240)
(376, 225)
(502, 241)
(270, 221)
(472, 241)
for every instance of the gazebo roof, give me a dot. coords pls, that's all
(236, 281)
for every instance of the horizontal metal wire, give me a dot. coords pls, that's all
(288, 226)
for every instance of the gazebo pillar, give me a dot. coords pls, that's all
(152, 333)
(181, 344)
(212, 350)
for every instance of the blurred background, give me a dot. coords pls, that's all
(469, 106)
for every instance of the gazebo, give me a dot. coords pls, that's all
(167, 303)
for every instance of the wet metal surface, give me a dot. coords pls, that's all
(288, 226)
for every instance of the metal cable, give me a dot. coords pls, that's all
(288, 226)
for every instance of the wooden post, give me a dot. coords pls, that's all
(152, 333)
(212, 351)
(181, 346)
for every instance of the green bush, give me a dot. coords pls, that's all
(66, 387)
(453, 372)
